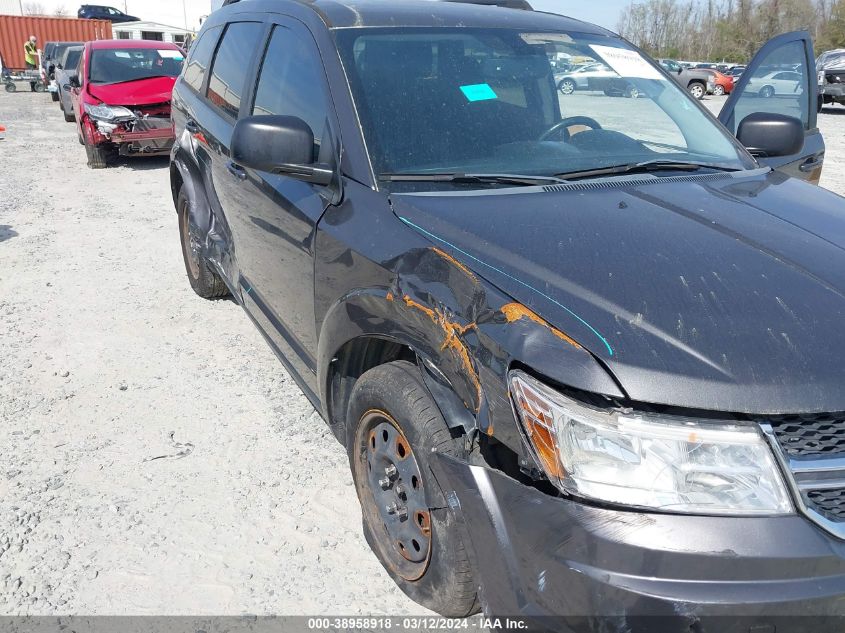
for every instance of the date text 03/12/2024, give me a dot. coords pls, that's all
(416, 624)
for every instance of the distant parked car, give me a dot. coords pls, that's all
(101, 12)
(67, 67)
(779, 82)
(589, 77)
(698, 82)
(831, 69)
(722, 84)
(121, 98)
(736, 72)
(51, 63)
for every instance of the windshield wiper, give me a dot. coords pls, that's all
(126, 81)
(641, 168)
(472, 179)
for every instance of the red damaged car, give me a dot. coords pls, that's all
(121, 98)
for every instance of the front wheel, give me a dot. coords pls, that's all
(394, 428)
(719, 91)
(567, 86)
(767, 92)
(204, 281)
(99, 156)
(10, 87)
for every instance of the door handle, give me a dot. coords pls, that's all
(236, 170)
(192, 126)
(811, 164)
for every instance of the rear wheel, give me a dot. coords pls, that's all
(395, 426)
(205, 282)
(697, 89)
(54, 96)
(69, 116)
(719, 91)
(767, 92)
(40, 88)
(10, 87)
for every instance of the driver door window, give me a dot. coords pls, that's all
(777, 86)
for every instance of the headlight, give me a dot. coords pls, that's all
(108, 113)
(665, 463)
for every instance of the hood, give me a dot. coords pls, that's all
(129, 93)
(711, 292)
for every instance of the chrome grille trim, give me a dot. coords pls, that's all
(804, 475)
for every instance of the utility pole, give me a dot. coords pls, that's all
(185, 14)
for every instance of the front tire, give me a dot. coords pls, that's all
(204, 281)
(767, 92)
(719, 91)
(567, 86)
(394, 427)
(99, 156)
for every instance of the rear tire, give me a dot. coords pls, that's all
(767, 92)
(719, 91)
(205, 281)
(54, 96)
(69, 117)
(394, 422)
(10, 87)
(697, 89)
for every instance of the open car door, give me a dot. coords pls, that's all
(781, 79)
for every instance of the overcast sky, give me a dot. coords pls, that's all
(602, 12)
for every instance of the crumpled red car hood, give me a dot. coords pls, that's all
(141, 92)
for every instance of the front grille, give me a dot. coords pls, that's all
(814, 434)
(830, 503)
(813, 449)
(835, 78)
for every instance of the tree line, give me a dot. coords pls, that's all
(728, 30)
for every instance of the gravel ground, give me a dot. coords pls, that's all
(156, 458)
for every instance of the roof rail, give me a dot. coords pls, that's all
(508, 4)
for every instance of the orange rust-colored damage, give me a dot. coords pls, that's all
(516, 311)
(455, 263)
(452, 340)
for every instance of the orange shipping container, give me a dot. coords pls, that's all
(16, 29)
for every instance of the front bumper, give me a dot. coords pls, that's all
(835, 91)
(568, 566)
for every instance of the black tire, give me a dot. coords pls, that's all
(394, 396)
(39, 87)
(697, 89)
(99, 157)
(10, 87)
(69, 117)
(54, 96)
(204, 280)
(719, 91)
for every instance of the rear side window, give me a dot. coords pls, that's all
(291, 81)
(225, 87)
(200, 58)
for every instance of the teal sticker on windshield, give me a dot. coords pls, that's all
(479, 92)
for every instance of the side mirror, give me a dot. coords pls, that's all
(769, 134)
(280, 145)
(73, 82)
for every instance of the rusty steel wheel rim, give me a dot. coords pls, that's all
(393, 495)
(191, 246)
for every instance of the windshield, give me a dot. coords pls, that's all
(463, 100)
(834, 61)
(116, 65)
